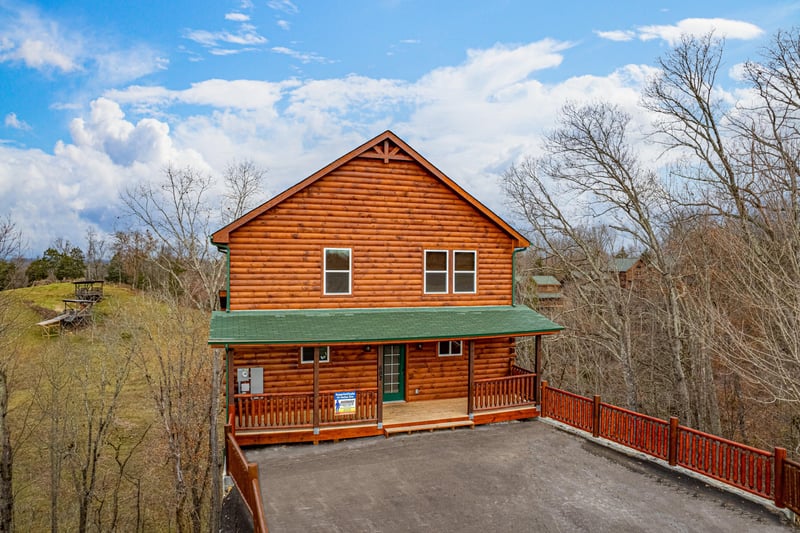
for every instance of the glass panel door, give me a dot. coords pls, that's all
(394, 372)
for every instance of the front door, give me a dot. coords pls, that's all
(394, 370)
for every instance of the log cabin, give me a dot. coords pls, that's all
(375, 296)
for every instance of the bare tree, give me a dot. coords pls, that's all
(100, 372)
(10, 244)
(585, 256)
(177, 365)
(178, 213)
(244, 182)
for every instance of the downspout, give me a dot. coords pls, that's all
(514, 274)
(225, 249)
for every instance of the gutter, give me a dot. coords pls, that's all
(514, 274)
(225, 249)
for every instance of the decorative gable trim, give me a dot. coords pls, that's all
(388, 147)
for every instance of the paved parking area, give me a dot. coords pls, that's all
(522, 476)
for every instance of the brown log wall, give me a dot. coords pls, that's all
(388, 214)
(439, 378)
(351, 367)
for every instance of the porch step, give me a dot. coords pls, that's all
(452, 424)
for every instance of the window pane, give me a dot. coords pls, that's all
(323, 354)
(337, 259)
(465, 261)
(464, 282)
(436, 261)
(337, 282)
(306, 354)
(436, 282)
(455, 347)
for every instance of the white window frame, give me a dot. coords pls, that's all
(349, 271)
(316, 349)
(446, 271)
(449, 345)
(474, 272)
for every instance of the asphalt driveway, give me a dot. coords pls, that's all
(523, 476)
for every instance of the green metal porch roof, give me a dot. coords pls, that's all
(341, 326)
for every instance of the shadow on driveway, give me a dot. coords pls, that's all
(523, 476)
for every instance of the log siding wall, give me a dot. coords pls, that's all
(388, 214)
(352, 368)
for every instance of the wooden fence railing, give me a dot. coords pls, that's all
(736, 464)
(634, 430)
(790, 486)
(245, 475)
(296, 410)
(566, 407)
(766, 474)
(508, 391)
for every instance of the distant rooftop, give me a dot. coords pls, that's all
(546, 280)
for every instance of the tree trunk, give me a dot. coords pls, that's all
(6, 458)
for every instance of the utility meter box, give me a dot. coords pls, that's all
(250, 380)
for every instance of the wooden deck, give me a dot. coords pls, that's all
(398, 417)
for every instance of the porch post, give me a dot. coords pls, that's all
(229, 390)
(380, 385)
(471, 380)
(537, 368)
(316, 392)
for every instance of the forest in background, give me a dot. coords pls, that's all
(706, 193)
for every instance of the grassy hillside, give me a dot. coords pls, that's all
(64, 395)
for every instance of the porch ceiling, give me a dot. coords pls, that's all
(341, 326)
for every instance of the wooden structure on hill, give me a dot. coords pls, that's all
(377, 280)
(89, 290)
(77, 311)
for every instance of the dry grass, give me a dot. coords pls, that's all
(119, 320)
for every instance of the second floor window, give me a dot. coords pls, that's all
(337, 270)
(435, 271)
(464, 269)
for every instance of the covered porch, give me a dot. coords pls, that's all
(411, 387)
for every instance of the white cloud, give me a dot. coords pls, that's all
(12, 121)
(49, 45)
(616, 35)
(303, 57)
(472, 120)
(671, 33)
(247, 35)
(237, 17)
(286, 6)
(38, 43)
(729, 29)
(283, 24)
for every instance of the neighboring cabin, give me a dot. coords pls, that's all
(377, 280)
(628, 269)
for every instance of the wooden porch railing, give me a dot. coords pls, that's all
(508, 391)
(275, 410)
(766, 474)
(245, 475)
(366, 408)
(296, 410)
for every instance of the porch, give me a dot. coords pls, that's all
(260, 419)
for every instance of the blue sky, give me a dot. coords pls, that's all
(99, 95)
